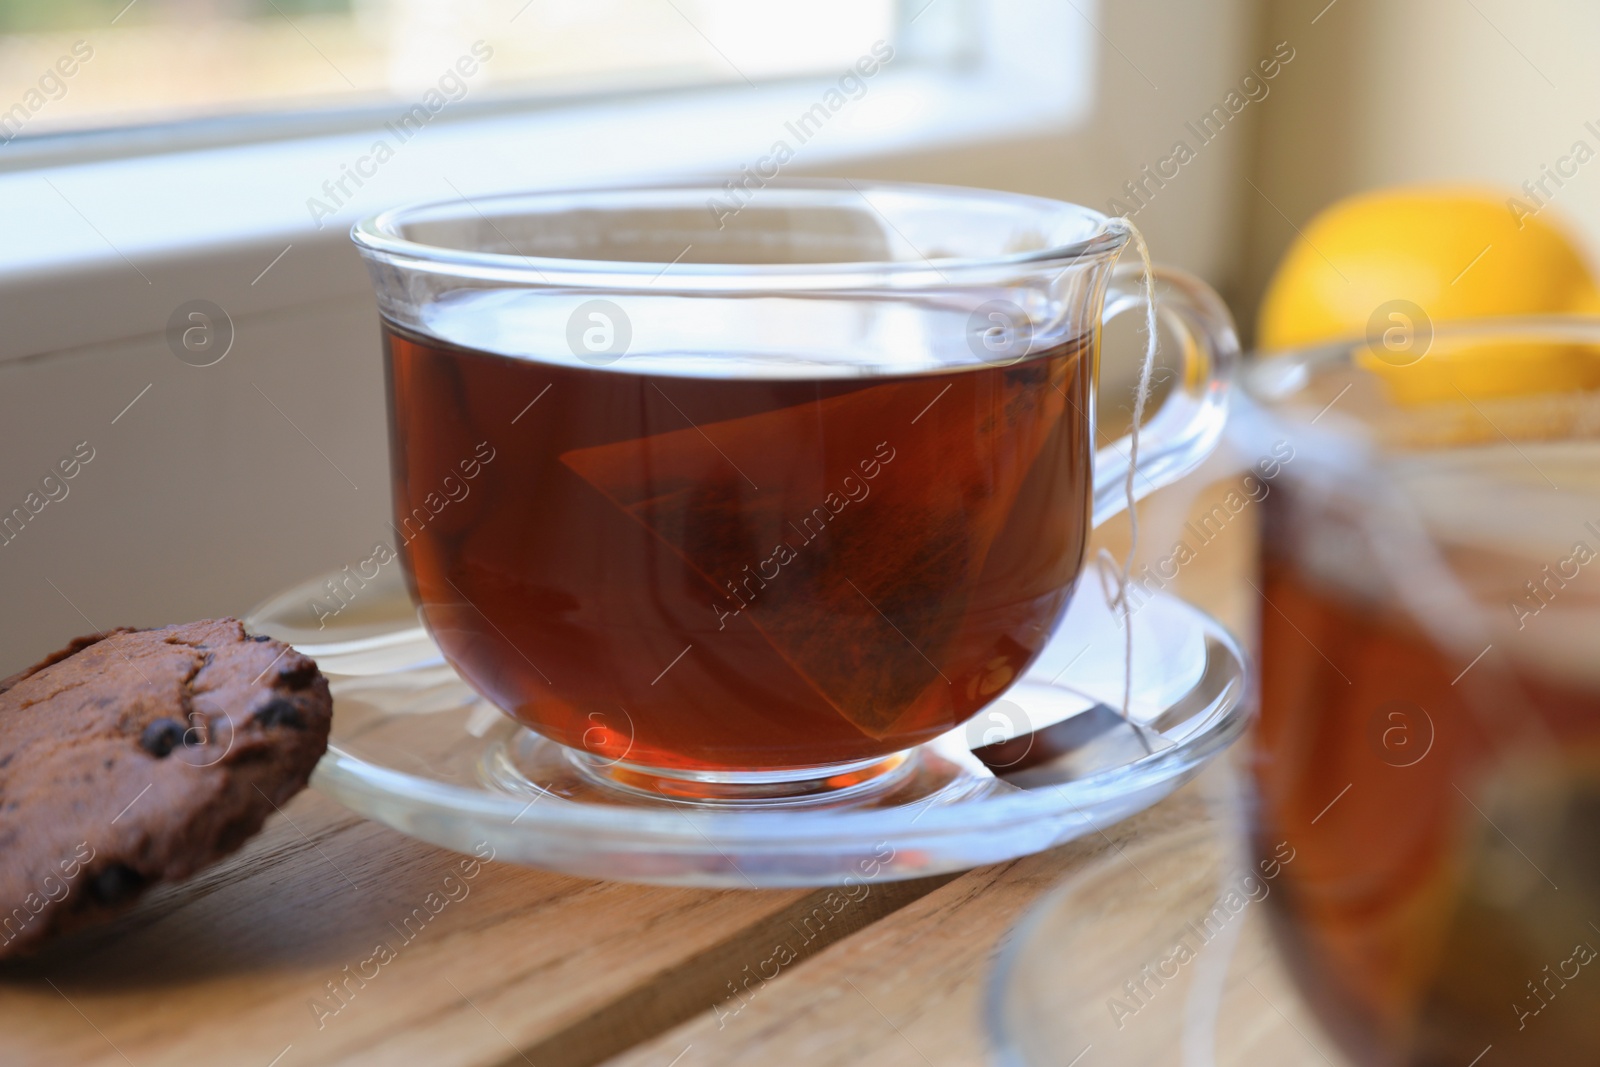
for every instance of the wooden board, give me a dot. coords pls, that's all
(283, 947)
(414, 958)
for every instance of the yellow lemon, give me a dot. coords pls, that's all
(1393, 264)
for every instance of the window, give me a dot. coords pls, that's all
(106, 188)
(71, 65)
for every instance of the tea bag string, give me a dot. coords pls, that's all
(1124, 569)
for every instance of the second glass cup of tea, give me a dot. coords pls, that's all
(1429, 742)
(1423, 815)
(745, 499)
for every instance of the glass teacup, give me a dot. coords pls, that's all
(1429, 744)
(751, 504)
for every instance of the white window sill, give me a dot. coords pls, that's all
(102, 250)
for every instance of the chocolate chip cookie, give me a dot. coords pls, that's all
(138, 756)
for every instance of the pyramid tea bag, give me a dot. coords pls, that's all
(853, 538)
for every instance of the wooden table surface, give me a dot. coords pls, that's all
(260, 961)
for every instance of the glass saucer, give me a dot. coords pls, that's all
(1159, 955)
(415, 748)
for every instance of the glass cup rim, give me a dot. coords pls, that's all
(1345, 448)
(1276, 386)
(380, 236)
(1272, 379)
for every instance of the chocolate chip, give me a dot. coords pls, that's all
(161, 737)
(260, 637)
(298, 677)
(116, 884)
(279, 712)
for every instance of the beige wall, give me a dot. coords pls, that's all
(1159, 64)
(1388, 92)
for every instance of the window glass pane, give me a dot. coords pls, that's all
(74, 64)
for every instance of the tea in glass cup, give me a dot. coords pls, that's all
(753, 506)
(1429, 742)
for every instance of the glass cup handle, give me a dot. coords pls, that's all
(1175, 439)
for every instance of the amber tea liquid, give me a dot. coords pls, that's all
(1446, 887)
(762, 570)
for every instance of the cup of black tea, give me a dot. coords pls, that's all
(748, 494)
(1429, 741)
